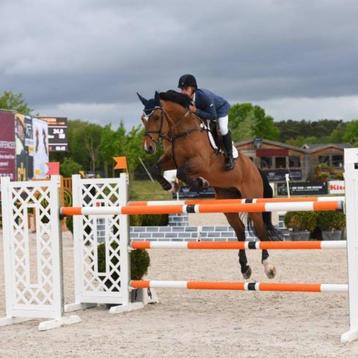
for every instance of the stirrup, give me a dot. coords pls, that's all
(229, 163)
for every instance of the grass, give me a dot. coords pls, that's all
(147, 190)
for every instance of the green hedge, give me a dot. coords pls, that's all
(149, 220)
(140, 261)
(311, 221)
(301, 220)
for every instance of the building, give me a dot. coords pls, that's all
(277, 159)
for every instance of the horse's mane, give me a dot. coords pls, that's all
(176, 97)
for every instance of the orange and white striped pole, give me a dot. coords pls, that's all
(240, 245)
(235, 201)
(205, 208)
(241, 286)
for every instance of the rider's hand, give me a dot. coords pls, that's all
(192, 108)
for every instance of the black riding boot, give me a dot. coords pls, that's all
(229, 160)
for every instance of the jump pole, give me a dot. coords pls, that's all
(241, 286)
(240, 245)
(235, 201)
(204, 208)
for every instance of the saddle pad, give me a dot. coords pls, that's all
(235, 152)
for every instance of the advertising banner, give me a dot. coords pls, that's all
(279, 174)
(40, 153)
(306, 188)
(24, 158)
(7, 145)
(336, 187)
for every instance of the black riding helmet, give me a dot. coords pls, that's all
(186, 81)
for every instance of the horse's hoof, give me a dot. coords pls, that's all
(247, 274)
(174, 188)
(270, 270)
(202, 183)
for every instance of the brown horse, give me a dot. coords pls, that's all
(167, 120)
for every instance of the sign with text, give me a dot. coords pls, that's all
(304, 188)
(336, 187)
(57, 133)
(279, 174)
(7, 144)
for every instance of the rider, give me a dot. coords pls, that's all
(208, 105)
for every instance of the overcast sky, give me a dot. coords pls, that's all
(87, 58)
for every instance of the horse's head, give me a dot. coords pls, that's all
(152, 119)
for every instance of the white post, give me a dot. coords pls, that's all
(77, 252)
(287, 177)
(124, 239)
(351, 183)
(6, 220)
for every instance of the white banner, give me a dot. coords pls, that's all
(40, 148)
(336, 187)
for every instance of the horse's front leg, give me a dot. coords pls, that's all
(164, 163)
(186, 175)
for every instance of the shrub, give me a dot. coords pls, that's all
(330, 220)
(69, 223)
(323, 177)
(69, 167)
(149, 220)
(139, 260)
(322, 166)
(301, 220)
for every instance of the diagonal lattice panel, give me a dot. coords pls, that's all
(100, 250)
(32, 265)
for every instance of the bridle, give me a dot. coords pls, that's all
(170, 137)
(159, 131)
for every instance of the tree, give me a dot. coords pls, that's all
(92, 141)
(84, 142)
(264, 126)
(69, 167)
(247, 121)
(351, 133)
(324, 130)
(110, 142)
(76, 146)
(14, 102)
(134, 148)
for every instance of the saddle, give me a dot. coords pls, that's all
(215, 138)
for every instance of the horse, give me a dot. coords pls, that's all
(183, 135)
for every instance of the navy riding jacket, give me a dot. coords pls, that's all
(209, 105)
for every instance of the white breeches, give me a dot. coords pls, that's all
(223, 125)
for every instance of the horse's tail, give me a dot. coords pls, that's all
(272, 233)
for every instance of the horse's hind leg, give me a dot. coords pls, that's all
(239, 228)
(260, 231)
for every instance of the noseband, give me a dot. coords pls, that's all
(159, 131)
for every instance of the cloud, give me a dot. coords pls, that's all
(90, 57)
(345, 108)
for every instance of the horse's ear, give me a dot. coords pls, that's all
(157, 99)
(142, 99)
